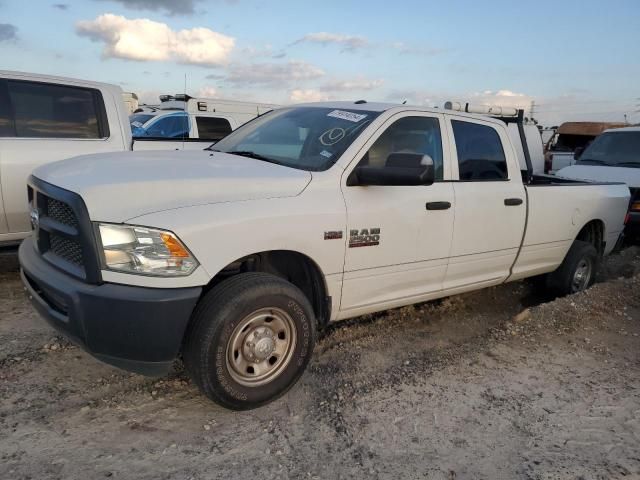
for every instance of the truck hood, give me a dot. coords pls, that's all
(595, 173)
(117, 187)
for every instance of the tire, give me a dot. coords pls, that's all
(567, 279)
(251, 339)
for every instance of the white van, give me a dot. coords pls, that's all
(187, 118)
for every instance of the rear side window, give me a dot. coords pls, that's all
(7, 127)
(212, 128)
(480, 153)
(44, 110)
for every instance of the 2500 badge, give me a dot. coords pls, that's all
(366, 237)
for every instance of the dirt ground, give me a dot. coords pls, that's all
(465, 388)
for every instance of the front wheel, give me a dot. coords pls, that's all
(577, 272)
(252, 337)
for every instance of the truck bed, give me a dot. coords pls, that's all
(556, 216)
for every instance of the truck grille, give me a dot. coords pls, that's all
(61, 212)
(62, 231)
(66, 249)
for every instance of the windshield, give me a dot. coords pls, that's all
(613, 148)
(307, 138)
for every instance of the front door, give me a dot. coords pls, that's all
(399, 236)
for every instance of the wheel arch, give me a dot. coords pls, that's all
(593, 232)
(295, 267)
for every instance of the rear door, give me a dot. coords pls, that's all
(490, 205)
(52, 122)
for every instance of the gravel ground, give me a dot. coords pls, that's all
(492, 384)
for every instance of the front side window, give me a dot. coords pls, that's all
(306, 138)
(45, 110)
(418, 135)
(212, 128)
(613, 148)
(170, 126)
(480, 153)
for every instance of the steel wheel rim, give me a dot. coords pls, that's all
(261, 346)
(581, 276)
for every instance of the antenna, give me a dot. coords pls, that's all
(185, 111)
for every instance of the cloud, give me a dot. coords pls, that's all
(347, 43)
(309, 95)
(503, 98)
(354, 84)
(61, 6)
(146, 40)
(266, 51)
(404, 49)
(215, 76)
(171, 7)
(207, 92)
(8, 32)
(272, 74)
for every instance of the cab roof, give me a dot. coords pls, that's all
(383, 107)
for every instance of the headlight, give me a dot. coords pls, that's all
(145, 251)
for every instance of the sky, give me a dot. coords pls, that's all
(576, 60)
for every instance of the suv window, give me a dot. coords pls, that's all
(7, 127)
(480, 153)
(212, 128)
(44, 110)
(408, 135)
(170, 126)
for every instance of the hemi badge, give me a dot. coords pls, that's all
(333, 235)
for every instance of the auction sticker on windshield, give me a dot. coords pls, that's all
(352, 117)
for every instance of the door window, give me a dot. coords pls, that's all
(480, 153)
(7, 127)
(170, 126)
(212, 128)
(420, 135)
(45, 110)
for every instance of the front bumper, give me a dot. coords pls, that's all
(137, 329)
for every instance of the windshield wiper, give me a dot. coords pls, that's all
(250, 154)
(591, 160)
(627, 164)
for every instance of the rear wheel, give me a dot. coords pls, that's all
(252, 337)
(577, 271)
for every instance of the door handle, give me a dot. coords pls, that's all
(510, 202)
(438, 205)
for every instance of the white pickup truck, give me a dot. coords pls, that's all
(44, 119)
(234, 257)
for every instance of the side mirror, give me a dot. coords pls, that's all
(578, 153)
(401, 169)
